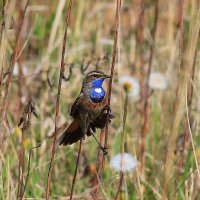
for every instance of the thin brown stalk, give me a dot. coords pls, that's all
(121, 175)
(13, 59)
(97, 178)
(124, 123)
(100, 156)
(146, 96)
(120, 185)
(3, 22)
(21, 162)
(76, 169)
(118, 8)
(139, 55)
(25, 121)
(140, 48)
(20, 62)
(2, 48)
(62, 65)
(21, 167)
(29, 165)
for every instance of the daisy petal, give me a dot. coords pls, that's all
(130, 85)
(158, 81)
(123, 162)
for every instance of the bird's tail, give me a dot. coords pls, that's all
(74, 132)
(71, 135)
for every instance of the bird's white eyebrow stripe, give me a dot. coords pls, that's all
(96, 74)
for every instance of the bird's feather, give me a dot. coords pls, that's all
(74, 132)
(100, 122)
(88, 109)
(71, 135)
(76, 105)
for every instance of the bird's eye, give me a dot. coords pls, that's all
(95, 75)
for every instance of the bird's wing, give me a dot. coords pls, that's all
(76, 105)
(101, 120)
(71, 135)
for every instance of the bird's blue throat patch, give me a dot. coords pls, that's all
(97, 93)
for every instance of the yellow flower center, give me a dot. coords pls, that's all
(158, 80)
(127, 86)
(124, 162)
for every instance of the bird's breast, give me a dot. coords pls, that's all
(97, 94)
(95, 108)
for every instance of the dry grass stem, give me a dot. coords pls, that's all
(13, 59)
(57, 108)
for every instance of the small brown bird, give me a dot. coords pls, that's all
(90, 110)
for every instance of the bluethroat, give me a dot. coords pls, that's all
(89, 111)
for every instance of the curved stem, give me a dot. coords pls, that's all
(62, 65)
(29, 163)
(124, 123)
(120, 184)
(76, 169)
(118, 8)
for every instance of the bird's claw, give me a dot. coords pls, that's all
(107, 108)
(104, 149)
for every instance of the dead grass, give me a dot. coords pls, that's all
(162, 126)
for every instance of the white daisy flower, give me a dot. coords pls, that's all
(158, 81)
(123, 162)
(130, 85)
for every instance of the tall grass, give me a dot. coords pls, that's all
(160, 128)
(57, 106)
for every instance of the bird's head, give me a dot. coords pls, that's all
(95, 78)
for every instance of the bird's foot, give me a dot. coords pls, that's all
(104, 149)
(107, 108)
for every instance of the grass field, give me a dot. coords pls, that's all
(153, 141)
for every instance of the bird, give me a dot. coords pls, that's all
(90, 110)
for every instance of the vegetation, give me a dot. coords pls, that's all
(151, 48)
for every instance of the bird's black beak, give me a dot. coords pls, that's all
(107, 76)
